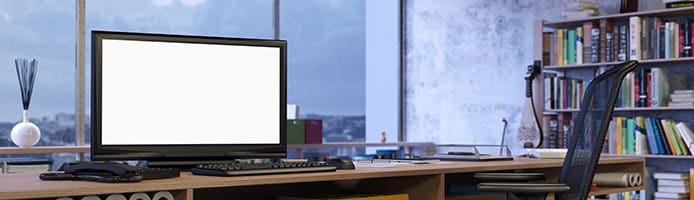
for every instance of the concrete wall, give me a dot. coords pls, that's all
(465, 64)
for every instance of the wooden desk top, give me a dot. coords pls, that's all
(22, 186)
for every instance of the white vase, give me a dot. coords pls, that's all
(25, 133)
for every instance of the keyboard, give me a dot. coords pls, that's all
(242, 169)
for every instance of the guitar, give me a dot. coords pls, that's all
(529, 133)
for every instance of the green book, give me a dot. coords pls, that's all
(296, 131)
(571, 46)
(630, 135)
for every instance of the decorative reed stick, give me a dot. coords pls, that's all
(26, 73)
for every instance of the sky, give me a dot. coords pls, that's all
(325, 38)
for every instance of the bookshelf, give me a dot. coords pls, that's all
(677, 66)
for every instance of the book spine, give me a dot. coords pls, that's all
(560, 46)
(643, 97)
(579, 45)
(612, 137)
(553, 133)
(605, 27)
(644, 37)
(653, 38)
(314, 131)
(680, 40)
(687, 37)
(546, 46)
(571, 48)
(622, 54)
(565, 50)
(619, 135)
(609, 51)
(553, 49)
(662, 149)
(634, 38)
(640, 137)
(650, 135)
(653, 88)
(675, 40)
(587, 26)
(667, 141)
(630, 136)
(595, 45)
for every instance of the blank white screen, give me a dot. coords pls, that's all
(186, 93)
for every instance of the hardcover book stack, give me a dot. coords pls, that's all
(580, 9)
(648, 135)
(682, 98)
(672, 185)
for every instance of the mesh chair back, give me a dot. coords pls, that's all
(590, 128)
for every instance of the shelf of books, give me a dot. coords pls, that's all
(653, 115)
(660, 91)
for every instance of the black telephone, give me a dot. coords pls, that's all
(109, 172)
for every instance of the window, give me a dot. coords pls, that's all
(326, 67)
(224, 18)
(326, 61)
(43, 30)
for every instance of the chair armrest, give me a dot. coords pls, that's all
(516, 177)
(524, 188)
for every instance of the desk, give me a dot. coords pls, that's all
(421, 182)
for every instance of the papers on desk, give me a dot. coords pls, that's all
(483, 157)
(392, 162)
(547, 153)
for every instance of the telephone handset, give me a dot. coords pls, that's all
(98, 171)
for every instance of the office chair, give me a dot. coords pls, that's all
(585, 145)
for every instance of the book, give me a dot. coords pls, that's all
(650, 134)
(669, 195)
(579, 45)
(687, 136)
(25, 165)
(579, 13)
(681, 104)
(679, 4)
(660, 87)
(640, 137)
(668, 182)
(296, 131)
(671, 175)
(634, 38)
(313, 131)
(580, 5)
(663, 145)
(553, 133)
(546, 38)
(605, 27)
(680, 141)
(672, 140)
(560, 47)
(595, 45)
(622, 43)
(630, 136)
(571, 47)
(673, 189)
(587, 43)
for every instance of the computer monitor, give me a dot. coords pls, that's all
(185, 100)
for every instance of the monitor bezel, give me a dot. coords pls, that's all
(176, 153)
